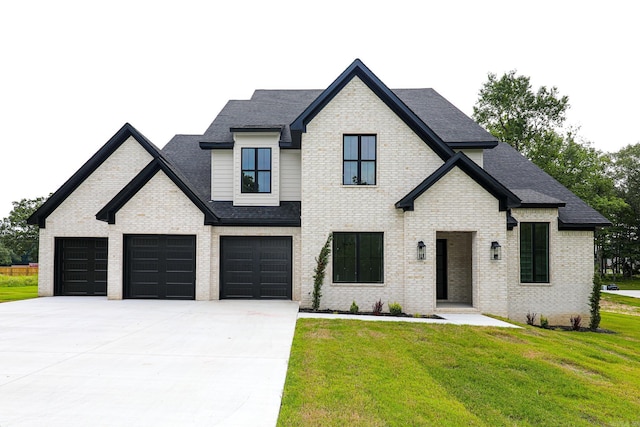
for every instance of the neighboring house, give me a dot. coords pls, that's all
(426, 208)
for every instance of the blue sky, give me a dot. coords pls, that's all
(73, 72)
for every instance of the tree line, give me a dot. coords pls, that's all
(533, 122)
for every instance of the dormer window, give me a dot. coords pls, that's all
(256, 170)
(359, 160)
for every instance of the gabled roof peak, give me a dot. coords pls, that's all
(358, 69)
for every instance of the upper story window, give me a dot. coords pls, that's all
(256, 170)
(359, 160)
(534, 252)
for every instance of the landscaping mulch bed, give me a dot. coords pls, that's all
(368, 313)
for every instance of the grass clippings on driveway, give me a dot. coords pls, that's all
(349, 372)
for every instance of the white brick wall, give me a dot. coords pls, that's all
(160, 207)
(75, 217)
(570, 272)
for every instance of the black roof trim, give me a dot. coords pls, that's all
(505, 197)
(108, 212)
(472, 144)
(542, 205)
(511, 221)
(581, 226)
(39, 217)
(357, 68)
(208, 145)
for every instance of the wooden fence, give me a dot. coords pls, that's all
(19, 271)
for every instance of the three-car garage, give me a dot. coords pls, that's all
(163, 266)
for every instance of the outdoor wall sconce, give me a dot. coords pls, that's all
(422, 251)
(496, 251)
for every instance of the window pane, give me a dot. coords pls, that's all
(368, 173)
(350, 147)
(264, 182)
(541, 255)
(526, 252)
(248, 182)
(368, 147)
(264, 158)
(350, 174)
(370, 257)
(344, 257)
(248, 158)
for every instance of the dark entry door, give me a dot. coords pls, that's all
(80, 266)
(160, 266)
(441, 269)
(255, 267)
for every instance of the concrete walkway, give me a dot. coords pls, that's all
(86, 361)
(633, 294)
(472, 319)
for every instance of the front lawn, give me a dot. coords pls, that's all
(14, 288)
(350, 372)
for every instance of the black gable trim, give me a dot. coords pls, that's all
(108, 212)
(207, 145)
(505, 197)
(247, 129)
(472, 144)
(357, 68)
(580, 226)
(511, 221)
(39, 217)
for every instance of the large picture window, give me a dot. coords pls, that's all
(358, 257)
(256, 170)
(359, 160)
(534, 252)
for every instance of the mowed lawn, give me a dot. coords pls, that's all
(349, 372)
(14, 288)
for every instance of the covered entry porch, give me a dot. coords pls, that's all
(455, 278)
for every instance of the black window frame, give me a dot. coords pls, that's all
(255, 170)
(359, 261)
(534, 251)
(359, 160)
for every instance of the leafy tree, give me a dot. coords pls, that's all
(5, 255)
(16, 235)
(513, 113)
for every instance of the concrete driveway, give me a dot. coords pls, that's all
(86, 361)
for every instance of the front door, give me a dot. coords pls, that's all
(441, 269)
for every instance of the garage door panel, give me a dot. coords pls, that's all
(160, 267)
(80, 266)
(255, 267)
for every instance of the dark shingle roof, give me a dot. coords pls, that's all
(285, 215)
(534, 186)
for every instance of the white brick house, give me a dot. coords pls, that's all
(426, 209)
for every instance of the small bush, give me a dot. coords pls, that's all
(354, 308)
(576, 322)
(594, 303)
(377, 307)
(531, 318)
(395, 309)
(544, 322)
(417, 315)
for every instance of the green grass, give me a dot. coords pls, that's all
(14, 288)
(626, 284)
(349, 372)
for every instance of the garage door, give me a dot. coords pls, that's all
(160, 266)
(80, 266)
(255, 267)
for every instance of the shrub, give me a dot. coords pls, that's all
(318, 277)
(594, 303)
(531, 318)
(354, 308)
(395, 309)
(544, 322)
(377, 307)
(576, 322)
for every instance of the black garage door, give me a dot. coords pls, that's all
(160, 266)
(255, 267)
(80, 266)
